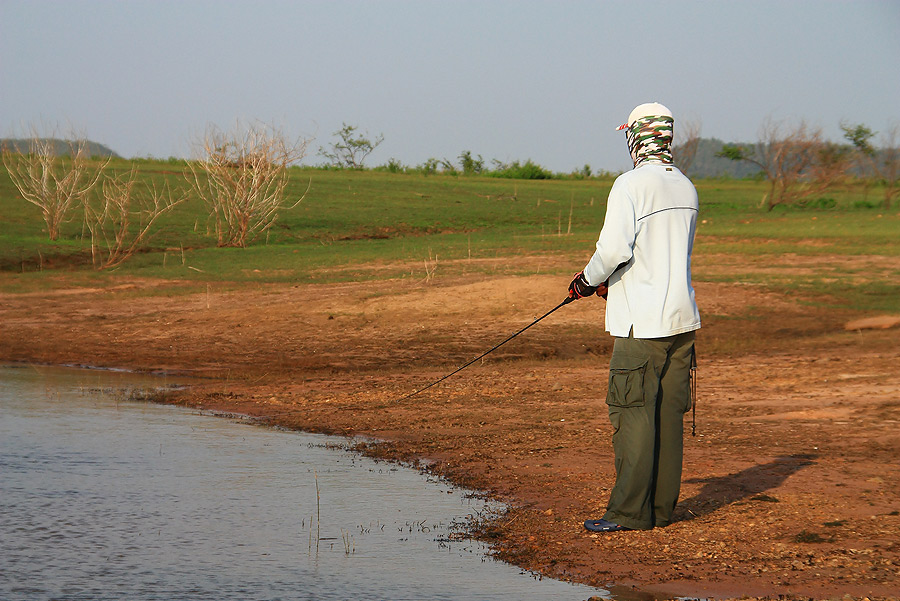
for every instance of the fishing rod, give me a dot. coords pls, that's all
(568, 300)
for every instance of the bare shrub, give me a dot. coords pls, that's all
(120, 220)
(889, 162)
(242, 178)
(687, 139)
(51, 181)
(830, 167)
(796, 161)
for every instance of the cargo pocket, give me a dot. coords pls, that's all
(626, 381)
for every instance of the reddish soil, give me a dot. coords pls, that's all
(790, 485)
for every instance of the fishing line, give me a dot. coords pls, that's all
(568, 300)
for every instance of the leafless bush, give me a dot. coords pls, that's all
(687, 138)
(889, 162)
(120, 220)
(242, 178)
(796, 161)
(830, 167)
(51, 181)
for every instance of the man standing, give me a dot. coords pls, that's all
(642, 265)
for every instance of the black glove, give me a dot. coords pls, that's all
(579, 288)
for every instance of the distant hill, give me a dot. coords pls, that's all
(62, 147)
(707, 164)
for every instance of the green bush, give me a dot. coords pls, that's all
(429, 167)
(469, 164)
(820, 203)
(517, 170)
(866, 204)
(392, 166)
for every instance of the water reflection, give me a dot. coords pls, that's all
(104, 499)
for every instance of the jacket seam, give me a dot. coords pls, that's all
(668, 209)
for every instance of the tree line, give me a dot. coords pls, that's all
(795, 159)
(242, 176)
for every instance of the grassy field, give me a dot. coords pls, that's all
(357, 225)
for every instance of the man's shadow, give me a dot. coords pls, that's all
(719, 491)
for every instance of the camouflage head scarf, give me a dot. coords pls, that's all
(650, 139)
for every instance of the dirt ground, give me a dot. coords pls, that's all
(790, 484)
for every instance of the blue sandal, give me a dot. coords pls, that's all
(603, 526)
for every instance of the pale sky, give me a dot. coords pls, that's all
(509, 80)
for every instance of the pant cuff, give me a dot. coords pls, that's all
(615, 518)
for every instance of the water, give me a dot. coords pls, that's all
(106, 499)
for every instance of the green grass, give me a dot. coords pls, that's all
(358, 225)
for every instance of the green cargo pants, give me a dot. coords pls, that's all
(649, 393)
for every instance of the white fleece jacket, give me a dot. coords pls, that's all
(651, 218)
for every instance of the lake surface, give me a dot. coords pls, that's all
(102, 498)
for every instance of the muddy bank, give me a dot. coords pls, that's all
(790, 486)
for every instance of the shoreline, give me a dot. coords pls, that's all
(790, 442)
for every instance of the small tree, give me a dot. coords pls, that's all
(470, 165)
(859, 137)
(882, 163)
(351, 149)
(242, 178)
(52, 181)
(120, 221)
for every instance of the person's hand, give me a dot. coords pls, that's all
(579, 288)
